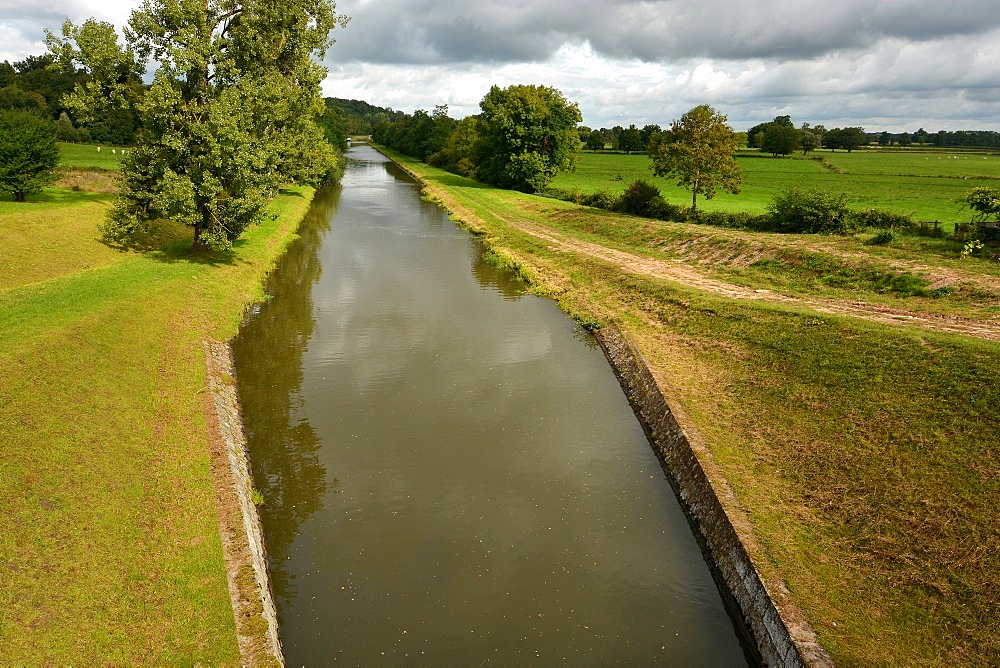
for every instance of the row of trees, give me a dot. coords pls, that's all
(521, 138)
(781, 137)
(630, 139)
(526, 134)
(939, 139)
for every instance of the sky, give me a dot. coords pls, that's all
(895, 65)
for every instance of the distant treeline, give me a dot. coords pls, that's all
(941, 139)
(39, 83)
(351, 118)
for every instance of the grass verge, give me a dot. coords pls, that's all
(111, 551)
(865, 455)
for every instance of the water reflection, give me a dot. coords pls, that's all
(283, 444)
(497, 500)
(491, 276)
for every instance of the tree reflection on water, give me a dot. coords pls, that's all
(283, 445)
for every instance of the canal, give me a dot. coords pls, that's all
(451, 473)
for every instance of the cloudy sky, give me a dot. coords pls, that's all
(882, 64)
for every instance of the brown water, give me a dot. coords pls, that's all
(452, 474)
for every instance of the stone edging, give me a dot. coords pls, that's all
(245, 554)
(782, 634)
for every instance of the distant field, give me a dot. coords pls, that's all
(924, 184)
(87, 155)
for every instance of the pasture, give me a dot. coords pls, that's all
(87, 156)
(924, 184)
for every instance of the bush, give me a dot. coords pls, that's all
(883, 238)
(808, 211)
(881, 219)
(602, 199)
(638, 199)
(664, 210)
(28, 153)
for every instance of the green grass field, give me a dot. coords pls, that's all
(87, 155)
(110, 551)
(864, 455)
(925, 184)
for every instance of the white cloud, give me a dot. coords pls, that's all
(890, 65)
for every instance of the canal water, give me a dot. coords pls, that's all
(451, 472)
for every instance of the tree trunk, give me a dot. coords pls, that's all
(694, 195)
(197, 244)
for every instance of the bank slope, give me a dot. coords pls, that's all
(111, 550)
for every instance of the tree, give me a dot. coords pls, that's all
(526, 135)
(780, 139)
(630, 139)
(648, 132)
(595, 141)
(904, 139)
(854, 138)
(28, 153)
(809, 140)
(12, 97)
(700, 150)
(456, 156)
(847, 138)
(229, 118)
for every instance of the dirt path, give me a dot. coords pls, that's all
(677, 271)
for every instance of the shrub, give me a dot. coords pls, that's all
(664, 210)
(808, 211)
(882, 220)
(28, 153)
(985, 205)
(883, 238)
(638, 199)
(602, 199)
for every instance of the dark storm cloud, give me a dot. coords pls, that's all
(450, 31)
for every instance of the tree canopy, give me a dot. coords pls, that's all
(230, 115)
(700, 150)
(780, 139)
(526, 135)
(846, 138)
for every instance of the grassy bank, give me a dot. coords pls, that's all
(924, 184)
(110, 551)
(865, 455)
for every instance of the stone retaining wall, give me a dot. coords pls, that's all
(780, 632)
(222, 385)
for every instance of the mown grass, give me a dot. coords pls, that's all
(864, 455)
(110, 551)
(87, 155)
(926, 185)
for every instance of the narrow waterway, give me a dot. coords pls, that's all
(451, 472)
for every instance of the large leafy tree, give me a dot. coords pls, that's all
(28, 152)
(847, 138)
(229, 117)
(700, 151)
(526, 135)
(780, 139)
